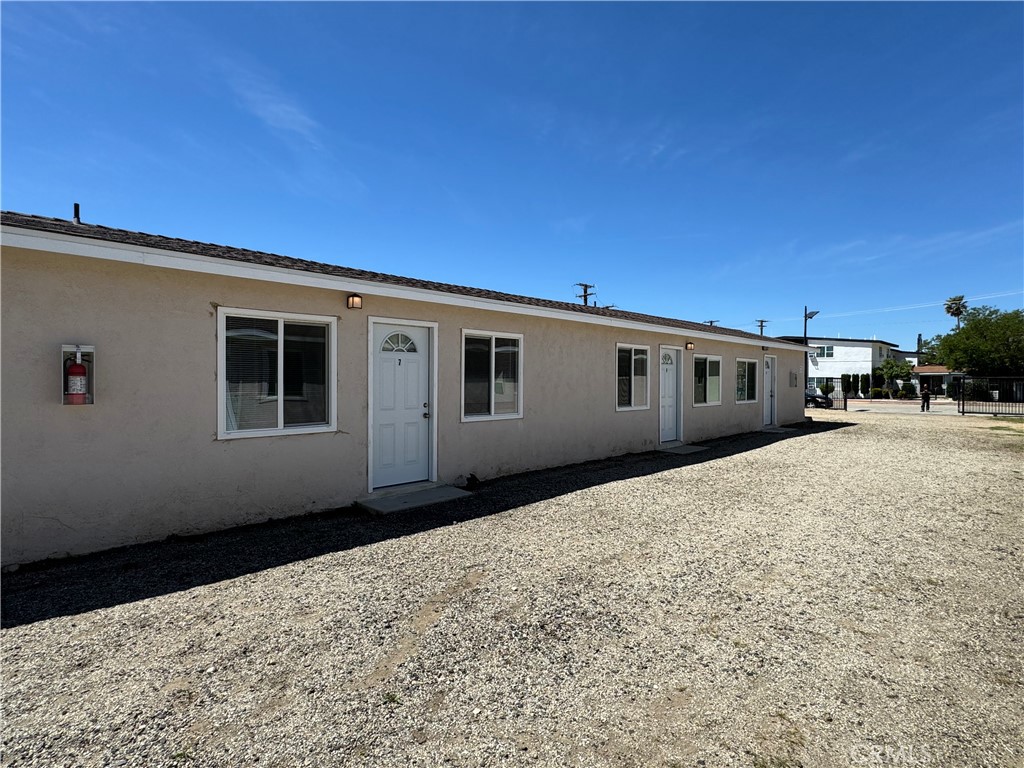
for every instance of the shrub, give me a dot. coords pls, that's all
(876, 393)
(908, 389)
(846, 383)
(977, 390)
(865, 384)
(827, 388)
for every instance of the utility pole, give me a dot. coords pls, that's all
(588, 291)
(760, 325)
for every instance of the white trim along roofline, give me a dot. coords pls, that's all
(54, 242)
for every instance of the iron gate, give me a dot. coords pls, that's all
(996, 395)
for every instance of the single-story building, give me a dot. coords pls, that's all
(938, 378)
(157, 386)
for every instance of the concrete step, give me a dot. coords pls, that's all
(401, 497)
(681, 449)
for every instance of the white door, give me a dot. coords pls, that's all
(401, 407)
(769, 390)
(669, 395)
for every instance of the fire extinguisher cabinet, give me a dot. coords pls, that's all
(78, 374)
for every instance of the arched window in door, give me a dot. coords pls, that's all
(398, 342)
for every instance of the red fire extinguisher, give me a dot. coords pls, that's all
(76, 377)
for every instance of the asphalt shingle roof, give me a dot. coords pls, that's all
(193, 247)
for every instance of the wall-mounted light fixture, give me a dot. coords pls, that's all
(690, 346)
(355, 301)
(764, 349)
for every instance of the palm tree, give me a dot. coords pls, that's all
(956, 306)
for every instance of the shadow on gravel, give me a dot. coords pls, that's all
(76, 585)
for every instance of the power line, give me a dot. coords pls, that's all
(921, 306)
(908, 306)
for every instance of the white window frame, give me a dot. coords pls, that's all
(492, 416)
(757, 373)
(647, 394)
(330, 321)
(693, 385)
(824, 351)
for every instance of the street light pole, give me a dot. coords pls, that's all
(807, 358)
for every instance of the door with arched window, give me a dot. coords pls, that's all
(401, 412)
(669, 394)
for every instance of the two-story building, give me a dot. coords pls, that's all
(831, 357)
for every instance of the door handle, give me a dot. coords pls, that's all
(426, 415)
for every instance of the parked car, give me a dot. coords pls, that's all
(814, 400)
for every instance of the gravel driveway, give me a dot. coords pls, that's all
(849, 593)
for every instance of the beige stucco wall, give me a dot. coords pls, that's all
(144, 461)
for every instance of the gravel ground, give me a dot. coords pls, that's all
(849, 593)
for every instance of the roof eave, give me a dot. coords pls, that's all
(93, 247)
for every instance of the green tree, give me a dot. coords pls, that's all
(990, 343)
(892, 369)
(955, 307)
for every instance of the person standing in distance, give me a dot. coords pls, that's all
(926, 398)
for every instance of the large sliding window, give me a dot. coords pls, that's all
(275, 373)
(746, 381)
(707, 380)
(492, 375)
(633, 382)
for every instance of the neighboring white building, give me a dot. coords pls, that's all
(832, 357)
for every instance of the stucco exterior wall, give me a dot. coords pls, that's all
(144, 461)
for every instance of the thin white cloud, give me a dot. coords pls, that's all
(827, 258)
(308, 165)
(259, 95)
(956, 242)
(862, 152)
(468, 214)
(838, 248)
(575, 225)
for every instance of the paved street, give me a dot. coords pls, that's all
(938, 405)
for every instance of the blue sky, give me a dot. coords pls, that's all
(723, 162)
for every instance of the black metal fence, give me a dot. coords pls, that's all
(999, 396)
(829, 388)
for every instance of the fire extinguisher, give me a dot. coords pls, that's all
(76, 378)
